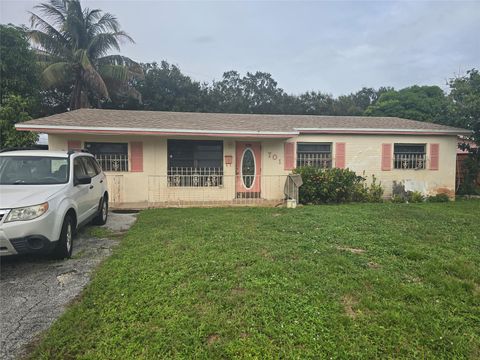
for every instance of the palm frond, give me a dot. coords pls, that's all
(106, 23)
(115, 73)
(91, 17)
(101, 44)
(42, 25)
(123, 36)
(81, 56)
(55, 9)
(45, 57)
(49, 44)
(57, 74)
(95, 82)
(118, 60)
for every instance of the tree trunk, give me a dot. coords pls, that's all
(79, 98)
(76, 95)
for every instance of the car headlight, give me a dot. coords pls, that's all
(27, 213)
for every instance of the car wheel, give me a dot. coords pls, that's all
(65, 243)
(101, 218)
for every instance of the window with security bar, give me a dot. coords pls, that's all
(195, 163)
(409, 156)
(110, 156)
(314, 154)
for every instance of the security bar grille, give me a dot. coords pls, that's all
(409, 161)
(113, 162)
(195, 177)
(317, 160)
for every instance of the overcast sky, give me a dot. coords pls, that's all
(335, 47)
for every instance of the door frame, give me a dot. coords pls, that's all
(241, 148)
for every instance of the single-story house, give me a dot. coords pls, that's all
(155, 158)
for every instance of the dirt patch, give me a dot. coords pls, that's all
(266, 254)
(413, 279)
(476, 289)
(243, 335)
(67, 277)
(203, 308)
(241, 267)
(213, 338)
(351, 249)
(238, 291)
(373, 265)
(444, 190)
(276, 214)
(349, 304)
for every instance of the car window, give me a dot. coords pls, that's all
(97, 165)
(33, 170)
(89, 167)
(78, 168)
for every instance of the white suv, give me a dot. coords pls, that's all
(45, 196)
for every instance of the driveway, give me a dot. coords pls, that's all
(35, 291)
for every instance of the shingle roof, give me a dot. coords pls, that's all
(163, 121)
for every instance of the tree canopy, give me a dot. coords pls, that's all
(18, 68)
(19, 86)
(423, 103)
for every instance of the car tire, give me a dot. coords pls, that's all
(64, 246)
(102, 216)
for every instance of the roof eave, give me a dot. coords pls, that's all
(54, 129)
(372, 131)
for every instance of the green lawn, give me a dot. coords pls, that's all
(350, 281)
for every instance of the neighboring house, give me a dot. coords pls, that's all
(172, 158)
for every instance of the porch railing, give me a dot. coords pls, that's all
(320, 160)
(410, 161)
(113, 162)
(195, 177)
(231, 190)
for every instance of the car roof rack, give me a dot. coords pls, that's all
(73, 151)
(19, 149)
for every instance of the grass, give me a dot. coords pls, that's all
(358, 281)
(101, 232)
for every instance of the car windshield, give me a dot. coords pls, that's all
(33, 170)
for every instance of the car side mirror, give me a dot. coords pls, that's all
(82, 180)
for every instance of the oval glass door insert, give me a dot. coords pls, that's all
(248, 168)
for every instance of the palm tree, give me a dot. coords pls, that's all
(73, 47)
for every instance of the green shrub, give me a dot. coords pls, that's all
(398, 199)
(324, 186)
(415, 197)
(439, 198)
(375, 191)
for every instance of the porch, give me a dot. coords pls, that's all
(204, 191)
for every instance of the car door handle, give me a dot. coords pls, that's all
(91, 186)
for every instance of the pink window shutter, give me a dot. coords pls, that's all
(340, 155)
(289, 155)
(136, 153)
(386, 157)
(74, 144)
(434, 156)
